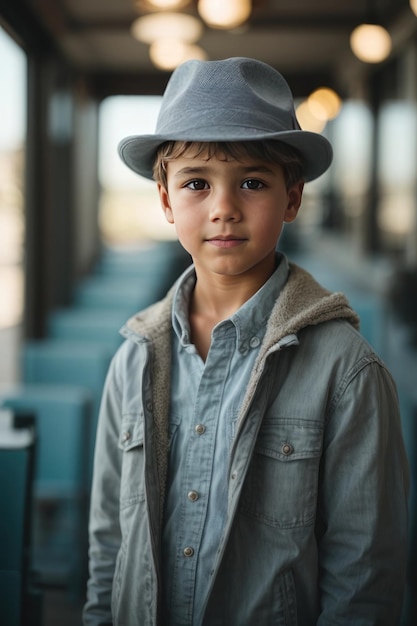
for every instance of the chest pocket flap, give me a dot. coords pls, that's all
(132, 480)
(289, 440)
(131, 434)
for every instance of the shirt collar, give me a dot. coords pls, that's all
(250, 320)
(180, 319)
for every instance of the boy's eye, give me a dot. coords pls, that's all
(197, 185)
(253, 184)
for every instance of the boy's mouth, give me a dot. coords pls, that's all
(226, 241)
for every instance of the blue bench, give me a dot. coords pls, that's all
(156, 258)
(149, 271)
(59, 362)
(371, 314)
(61, 479)
(63, 416)
(79, 324)
(108, 293)
(17, 595)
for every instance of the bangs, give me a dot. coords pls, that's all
(223, 150)
(270, 151)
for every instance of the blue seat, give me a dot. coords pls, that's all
(370, 307)
(108, 293)
(17, 449)
(59, 362)
(157, 259)
(89, 325)
(61, 479)
(63, 416)
(371, 314)
(146, 273)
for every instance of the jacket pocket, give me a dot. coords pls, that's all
(286, 600)
(253, 601)
(281, 485)
(132, 482)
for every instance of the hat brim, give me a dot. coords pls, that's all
(138, 151)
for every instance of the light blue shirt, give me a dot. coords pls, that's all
(205, 402)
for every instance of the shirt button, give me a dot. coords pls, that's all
(287, 449)
(200, 429)
(254, 342)
(188, 552)
(193, 496)
(126, 436)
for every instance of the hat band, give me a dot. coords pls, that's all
(192, 123)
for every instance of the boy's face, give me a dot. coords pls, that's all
(229, 214)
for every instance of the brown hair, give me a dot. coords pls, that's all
(270, 150)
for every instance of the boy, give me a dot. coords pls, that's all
(249, 464)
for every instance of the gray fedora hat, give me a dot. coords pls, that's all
(236, 99)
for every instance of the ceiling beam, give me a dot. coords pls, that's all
(107, 84)
(295, 22)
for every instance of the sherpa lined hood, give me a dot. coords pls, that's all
(302, 302)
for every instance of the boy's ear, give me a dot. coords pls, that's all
(295, 194)
(165, 203)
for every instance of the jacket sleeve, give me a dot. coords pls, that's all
(104, 528)
(362, 511)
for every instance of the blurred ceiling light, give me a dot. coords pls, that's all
(307, 120)
(162, 5)
(224, 13)
(155, 26)
(371, 43)
(167, 54)
(413, 6)
(324, 104)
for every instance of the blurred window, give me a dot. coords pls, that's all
(13, 72)
(129, 204)
(397, 174)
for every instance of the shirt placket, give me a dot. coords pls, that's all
(199, 466)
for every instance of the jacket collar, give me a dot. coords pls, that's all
(302, 302)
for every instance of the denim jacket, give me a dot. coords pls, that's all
(317, 484)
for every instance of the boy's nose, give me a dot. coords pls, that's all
(225, 207)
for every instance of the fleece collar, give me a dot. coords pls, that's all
(302, 302)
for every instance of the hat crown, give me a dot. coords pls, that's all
(201, 94)
(237, 99)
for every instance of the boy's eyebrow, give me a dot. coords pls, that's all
(193, 171)
(258, 168)
(190, 170)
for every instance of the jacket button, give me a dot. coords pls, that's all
(287, 449)
(188, 552)
(126, 436)
(200, 429)
(193, 496)
(254, 342)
